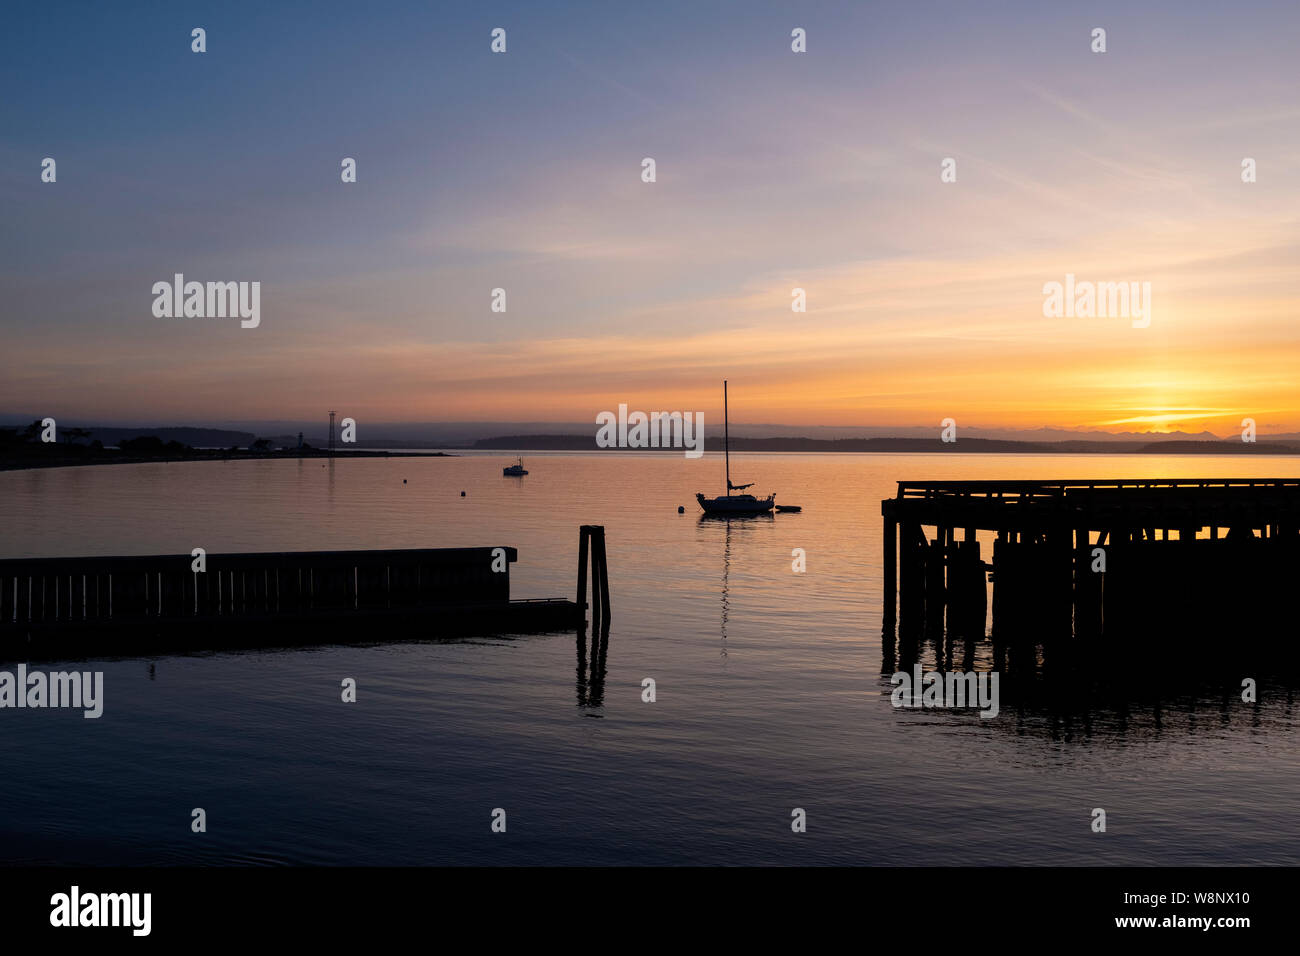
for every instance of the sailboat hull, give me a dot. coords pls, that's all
(736, 504)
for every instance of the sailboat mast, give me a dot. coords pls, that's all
(726, 435)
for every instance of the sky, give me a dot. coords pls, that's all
(775, 170)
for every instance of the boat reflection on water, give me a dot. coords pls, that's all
(732, 525)
(757, 517)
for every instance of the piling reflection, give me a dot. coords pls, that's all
(592, 667)
(1080, 690)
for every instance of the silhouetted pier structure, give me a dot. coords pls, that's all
(129, 603)
(1088, 558)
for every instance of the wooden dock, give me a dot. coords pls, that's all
(1089, 558)
(127, 604)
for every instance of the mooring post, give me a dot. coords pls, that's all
(595, 584)
(584, 535)
(598, 546)
(593, 535)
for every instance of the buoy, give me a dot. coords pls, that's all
(462, 494)
(403, 481)
(681, 510)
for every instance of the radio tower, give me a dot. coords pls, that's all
(332, 414)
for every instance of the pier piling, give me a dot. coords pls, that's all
(591, 539)
(1162, 560)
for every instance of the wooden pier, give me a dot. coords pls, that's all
(1089, 558)
(131, 603)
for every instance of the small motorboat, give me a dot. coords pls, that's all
(515, 471)
(791, 509)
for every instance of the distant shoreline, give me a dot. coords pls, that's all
(988, 446)
(69, 456)
(109, 457)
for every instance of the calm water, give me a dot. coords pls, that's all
(769, 694)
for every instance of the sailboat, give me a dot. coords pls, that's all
(730, 504)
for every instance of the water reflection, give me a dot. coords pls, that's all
(726, 590)
(1090, 690)
(729, 522)
(591, 668)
